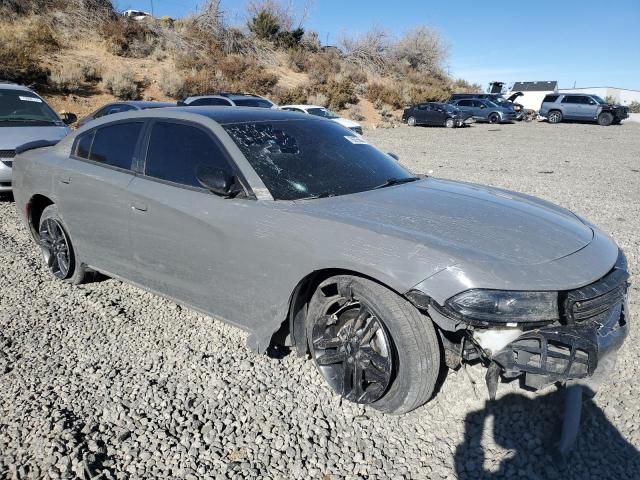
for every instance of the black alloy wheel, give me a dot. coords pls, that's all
(494, 118)
(55, 248)
(353, 351)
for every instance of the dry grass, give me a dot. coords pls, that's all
(121, 83)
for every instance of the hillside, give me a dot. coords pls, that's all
(81, 54)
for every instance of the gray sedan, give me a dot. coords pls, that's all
(302, 233)
(125, 106)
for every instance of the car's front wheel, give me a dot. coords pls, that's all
(371, 345)
(605, 119)
(57, 250)
(411, 121)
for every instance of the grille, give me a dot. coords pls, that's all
(7, 153)
(597, 298)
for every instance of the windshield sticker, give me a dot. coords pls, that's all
(30, 99)
(356, 140)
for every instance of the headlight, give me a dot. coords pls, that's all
(504, 306)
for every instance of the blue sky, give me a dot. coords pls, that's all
(591, 43)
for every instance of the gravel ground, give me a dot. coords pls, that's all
(107, 381)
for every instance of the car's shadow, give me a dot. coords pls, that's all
(6, 197)
(528, 429)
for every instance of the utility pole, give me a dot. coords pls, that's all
(152, 14)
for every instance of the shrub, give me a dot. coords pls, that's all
(121, 83)
(171, 83)
(322, 66)
(296, 95)
(264, 25)
(379, 94)
(634, 107)
(199, 82)
(339, 93)
(128, 38)
(21, 45)
(421, 49)
(67, 78)
(297, 60)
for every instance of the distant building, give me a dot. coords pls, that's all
(532, 92)
(623, 96)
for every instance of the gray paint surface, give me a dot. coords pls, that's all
(241, 259)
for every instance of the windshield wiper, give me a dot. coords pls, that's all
(396, 181)
(28, 120)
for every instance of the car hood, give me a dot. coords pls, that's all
(346, 122)
(463, 221)
(12, 137)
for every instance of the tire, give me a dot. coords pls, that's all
(356, 325)
(555, 116)
(411, 121)
(55, 245)
(605, 119)
(449, 123)
(617, 121)
(494, 118)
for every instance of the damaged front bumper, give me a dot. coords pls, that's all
(578, 351)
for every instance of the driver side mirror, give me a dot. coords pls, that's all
(68, 118)
(394, 156)
(217, 181)
(483, 105)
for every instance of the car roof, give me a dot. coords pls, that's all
(142, 104)
(239, 114)
(14, 86)
(302, 106)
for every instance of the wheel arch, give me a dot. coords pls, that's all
(35, 206)
(292, 332)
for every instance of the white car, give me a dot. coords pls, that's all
(136, 14)
(319, 111)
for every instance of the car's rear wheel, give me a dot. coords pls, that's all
(555, 116)
(494, 118)
(57, 250)
(371, 345)
(605, 119)
(411, 121)
(449, 123)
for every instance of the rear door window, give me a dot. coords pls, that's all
(465, 103)
(177, 152)
(550, 98)
(82, 145)
(571, 99)
(115, 145)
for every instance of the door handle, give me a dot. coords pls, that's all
(66, 180)
(139, 206)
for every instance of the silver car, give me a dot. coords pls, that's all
(299, 231)
(24, 118)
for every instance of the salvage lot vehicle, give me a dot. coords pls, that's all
(124, 106)
(25, 117)
(320, 111)
(484, 110)
(437, 114)
(301, 232)
(227, 99)
(581, 106)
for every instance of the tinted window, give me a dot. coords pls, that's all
(465, 103)
(210, 101)
(176, 152)
(571, 99)
(115, 144)
(83, 145)
(113, 109)
(550, 98)
(302, 158)
(253, 102)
